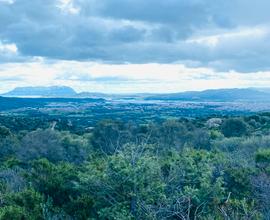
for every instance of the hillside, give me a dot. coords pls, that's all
(223, 95)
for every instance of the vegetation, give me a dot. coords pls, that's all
(204, 168)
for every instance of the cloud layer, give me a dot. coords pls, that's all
(225, 35)
(135, 42)
(124, 78)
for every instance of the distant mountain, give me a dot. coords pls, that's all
(266, 90)
(126, 96)
(92, 95)
(53, 91)
(223, 95)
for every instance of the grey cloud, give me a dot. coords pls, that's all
(138, 31)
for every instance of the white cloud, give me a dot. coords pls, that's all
(232, 35)
(150, 77)
(8, 48)
(7, 1)
(68, 6)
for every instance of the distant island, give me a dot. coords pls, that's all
(52, 91)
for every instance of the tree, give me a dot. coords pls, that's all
(13, 212)
(234, 127)
(107, 136)
(194, 184)
(42, 144)
(172, 135)
(262, 158)
(53, 145)
(4, 132)
(55, 181)
(22, 205)
(126, 185)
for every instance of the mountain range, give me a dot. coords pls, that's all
(222, 95)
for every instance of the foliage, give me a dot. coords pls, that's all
(22, 205)
(203, 168)
(234, 127)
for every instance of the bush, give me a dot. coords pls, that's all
(14, 213)
(4, 131)
(54, 146)
(23, 205)
(262, 158)
(234, 127)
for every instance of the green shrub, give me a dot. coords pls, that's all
(234, 127)
(13, 213)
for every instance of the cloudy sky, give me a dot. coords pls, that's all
(135, 45)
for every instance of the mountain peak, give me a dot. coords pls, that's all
(39, 91)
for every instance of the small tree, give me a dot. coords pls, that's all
(234, 127)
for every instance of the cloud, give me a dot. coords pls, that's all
(8, 50)
(124, 78)
(7, 79)
(87, 77)
(224, 35)
(7, 1)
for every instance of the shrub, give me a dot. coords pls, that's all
(234, 127)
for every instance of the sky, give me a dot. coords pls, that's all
(133, 46)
